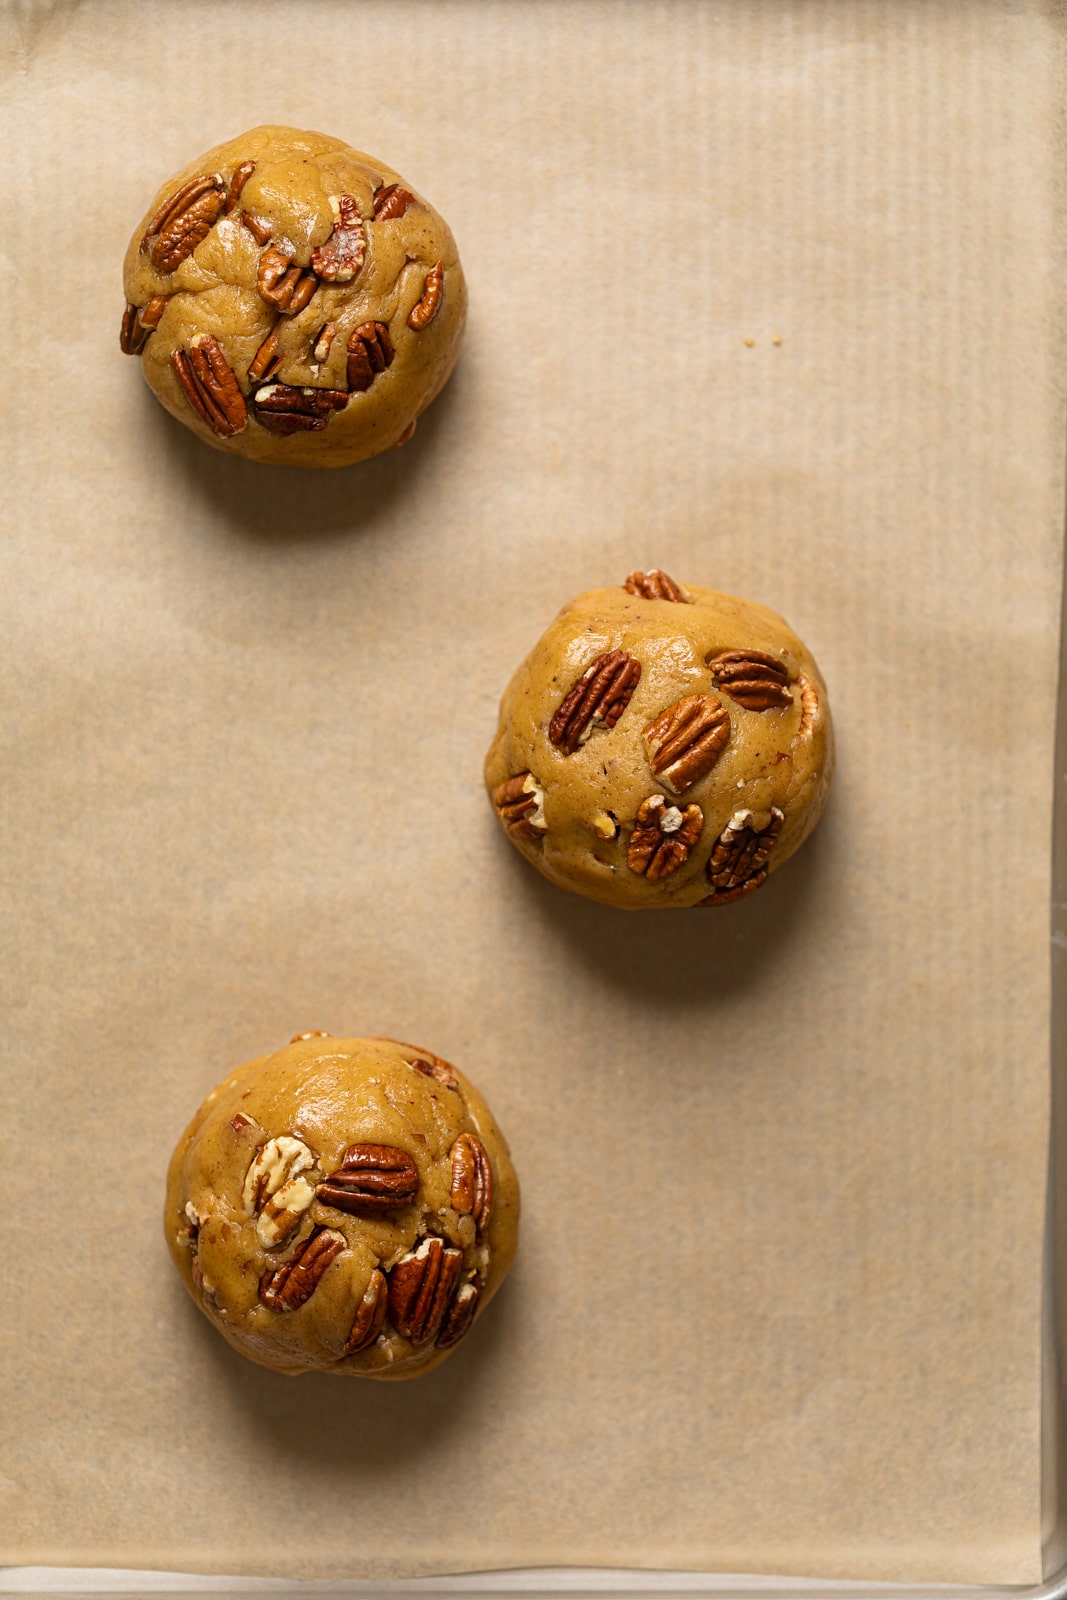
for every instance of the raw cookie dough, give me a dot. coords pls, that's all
(662, 746)
(346, 1205)
(293, 300)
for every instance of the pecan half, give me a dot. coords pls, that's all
(370, 351)
(520, 805)
(240, 177)
(809, 707)
(266, 361)
(686, 740)
(292, 1284)
(283, 285)
(654, 585)
(472, 1180)
(280, 408)
(260, 230)
(340, 258)
(391, 201)
(757, 681)
(210, 385)
(662, 838)
(738, 863)
(600, 695)
(423, 312)
(370, 1314)
(420, 1289)
(275, 1189)
(460, 1313)
(371, 1178)
(138, 322)
(184, 221)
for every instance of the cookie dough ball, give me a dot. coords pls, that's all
(293, 300)
(662, 746)
(346, 1205)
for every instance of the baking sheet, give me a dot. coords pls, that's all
(768, 296)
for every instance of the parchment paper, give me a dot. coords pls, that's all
(769, 296)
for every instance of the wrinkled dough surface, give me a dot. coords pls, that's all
(216, 291)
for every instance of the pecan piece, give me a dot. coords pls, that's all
(280, 408)
(311, 1033)
(138, 322)
(460, 1313)
(809, 707)
(662, 838)
(423, 312)
(685, 741)
(184, 221)
(600, 695)
(754, 679)
(323, 343)
(520, 805)
(370, 351)
(260, 230)
(370, 1314)
(276, 1190)
(438, 1070)
(292, 1284)
(266, 361)
(283, 285)
(240, 177)
(340, 258)
(391, 201)
(654, 585)
(472, 1180)
(371, 1178)
(210, 385)
(738, 863)
(420, 1288)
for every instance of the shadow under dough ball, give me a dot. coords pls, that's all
(662, 746)
(345, 1205)
(293, 300)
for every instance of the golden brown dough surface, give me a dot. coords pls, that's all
(662, 746)
(346, 1205)
(293, 300)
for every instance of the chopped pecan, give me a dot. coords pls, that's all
(266, 361)
(280, 408)
(420, 1289)
(600, 695)
(662, 838)
(291, 1285)
(757, 681)
(283, 285)
(276, 1190)
(686, 740)
(520, 805)
(371, 1178)
(239, 1121)
(433, 1067)
(138, 322)
(240, 177)
(312, 1033)
(391, 201)
(809, 707)
(210, 385)
(738, 863)
(323, 342)
(460, 1313)
(340, 258)
(370, 351)
(260, 230)
(184, 221)
(423, 312)
(654, 585)
(472, 1180)
(370, 1314)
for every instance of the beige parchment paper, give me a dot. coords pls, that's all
(767, 295)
